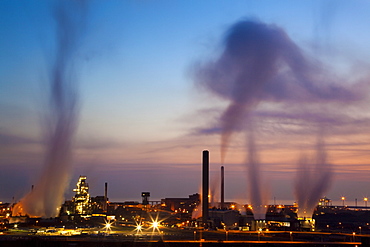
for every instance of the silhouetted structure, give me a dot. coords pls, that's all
(185, 205)
(222, 187)
(145, 196)
(105, 197)
(205, 187)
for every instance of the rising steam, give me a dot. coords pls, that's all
(48, 193)
(214, 192)
(312, 180)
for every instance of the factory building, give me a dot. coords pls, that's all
(5, 212)
(80, 205)
(221, 218)
(185, 205)
(81, 201)
(340, 218)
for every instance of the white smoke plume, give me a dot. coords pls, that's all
(48, 193)
(214, 191)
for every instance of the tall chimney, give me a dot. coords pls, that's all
(106, 197)
(205, 185)
(222, 187)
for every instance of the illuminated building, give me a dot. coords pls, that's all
(185, 205)
(5, 212)
(341, 218)
(98, 204)
(325, 202)
(81, 200)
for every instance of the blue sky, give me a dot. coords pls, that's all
(140, 110)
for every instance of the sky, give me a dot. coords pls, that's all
(144, 74)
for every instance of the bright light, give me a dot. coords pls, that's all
(365, 199)
(108, 225)
(139, 227)
(155, 224)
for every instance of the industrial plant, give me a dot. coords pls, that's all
(188, 217)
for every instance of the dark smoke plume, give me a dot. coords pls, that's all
(256, 192)
(312, 180)
(259, 62)
(48, 193)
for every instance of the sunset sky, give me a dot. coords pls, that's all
(147, 107)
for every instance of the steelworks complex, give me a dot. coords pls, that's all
(189, 213)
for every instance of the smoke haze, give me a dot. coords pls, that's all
(258, 195)
(214, 191)
(61, 123)
(259, 62)
(312, 180)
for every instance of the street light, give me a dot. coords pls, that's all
(155, 224)
(365, 200)
(139, 228)
(343, 199)
(108, 226)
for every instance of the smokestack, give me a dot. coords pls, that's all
(106, 197)
(222, 187)
(205, 185)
